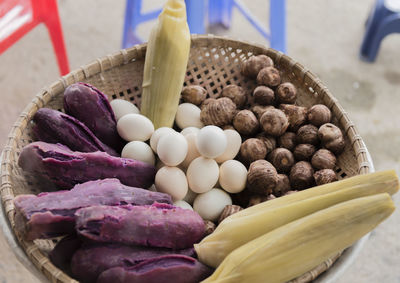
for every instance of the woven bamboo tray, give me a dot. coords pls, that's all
(214, 63)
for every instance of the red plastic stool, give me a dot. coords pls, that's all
(18, 17)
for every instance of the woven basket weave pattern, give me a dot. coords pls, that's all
(214, 63)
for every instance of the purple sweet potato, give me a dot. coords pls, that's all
(91, 260)
(90, 106)
(56, 127)
(62, 253)
(168, 268)
(52, 214)
(157, 225)
(66, 168)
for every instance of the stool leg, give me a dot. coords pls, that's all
(53, 25)
(195, 10)
(220, 12)
(132, 13)
(277, 24)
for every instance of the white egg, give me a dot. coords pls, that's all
(190, 196)
(211, 141)
(190, 130)
(138, 150)
(122, 107)
(202, 174)
(233, 176)
(183, 204)
(155, 137)
(188, 115)
(211, 204)
(172, 149)
(192, 150)
(234, 141)
(135, 127)
(172, 181)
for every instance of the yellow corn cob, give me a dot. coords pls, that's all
(165, 65)
(388, 178)
(297, 247)
(236, 231)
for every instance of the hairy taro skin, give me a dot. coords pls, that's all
(169, 268)
(51, 214)
(90, 106)
(157, 225)
(53, 126)
(92, 259)
(66, 168)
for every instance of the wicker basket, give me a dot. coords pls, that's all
(214, 63)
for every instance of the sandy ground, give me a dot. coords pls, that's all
(323, 35)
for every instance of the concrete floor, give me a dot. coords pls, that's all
(323, 35)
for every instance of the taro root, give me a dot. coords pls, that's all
(194, 94)
(209, 227)
(157, 225)
(308, 134)
(325, 176)
(319, 114)
(323, 159)
(65, 167)
(301, 176)
(263, 95)
(90, 106)
(274, 122)
(173, 268)
(62, 253)
(228, 211)
(304, 152)
(56, 127)
(219, 112)
(331, 138)
(286, 93)
(52, 214)
(256, 199)
(246, 123)
(206, 102)
(252, 66)
(236, 93)
(92, 259)
(297, 115)
(282, 159)
(262, 177)
(259, 110)
(269, 76)
(282, 185)
(252, 150)
(287, 140)
(269, 141)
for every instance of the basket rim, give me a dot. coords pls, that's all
(126, 56)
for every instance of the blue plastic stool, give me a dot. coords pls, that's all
(383, 20)
(219, 12)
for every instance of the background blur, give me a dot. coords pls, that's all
(324, 36)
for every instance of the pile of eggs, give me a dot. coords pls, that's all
(195, 166)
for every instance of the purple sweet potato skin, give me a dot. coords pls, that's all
(62, 253)
(90, 106)
(66, 168)
(52, 214)
(56, 127)
(169, 268)
(91, 260)
(158, 225)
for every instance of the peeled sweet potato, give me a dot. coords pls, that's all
(92, 259)
(65, 168)
(168, 268)
(52, 214)
(90, 106)
(56, 127)
(158, 225)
